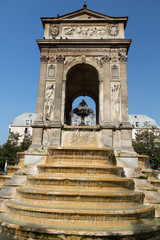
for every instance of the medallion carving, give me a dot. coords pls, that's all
(113, 29)
(115, 99)
(54, 30)
(49, 102)
(83, 31)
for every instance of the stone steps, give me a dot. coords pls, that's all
(79, 199)
(81, 156)
(81, 217)
(81, 192)
(87, 182)
(24, 230)
(83, 170)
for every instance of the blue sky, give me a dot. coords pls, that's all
(20, 26)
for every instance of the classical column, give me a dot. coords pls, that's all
(124, 89)
(41, 89)
(126, 128)
(106, 90)
(58, 90)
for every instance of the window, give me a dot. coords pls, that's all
(26, 130)
(88, 123)
(27, 122)
(137, 124)
(25, 137)
(115, 71)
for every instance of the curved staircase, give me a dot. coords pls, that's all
(79, 194)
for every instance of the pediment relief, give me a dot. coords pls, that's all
(85, 14)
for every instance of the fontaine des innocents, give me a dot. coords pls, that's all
(73, 181)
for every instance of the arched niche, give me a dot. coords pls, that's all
(82, 80)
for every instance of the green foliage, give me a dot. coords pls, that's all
(9, 149)
(147, 142)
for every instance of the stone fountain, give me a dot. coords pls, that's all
(83, 111)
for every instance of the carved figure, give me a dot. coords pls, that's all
(84, 31)
(54, 30)
(49, 100)
(116, 99)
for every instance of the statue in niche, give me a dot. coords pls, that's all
(116, 99)
(49, 101)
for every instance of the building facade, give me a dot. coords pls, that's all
(22, 125)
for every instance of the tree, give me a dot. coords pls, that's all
(147, 142)
(9, 149)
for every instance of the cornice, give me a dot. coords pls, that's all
(81, 43)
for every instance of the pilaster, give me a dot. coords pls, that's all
(106, 90)
(58, 90)
(41, 89)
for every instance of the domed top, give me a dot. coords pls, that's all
(83, 104)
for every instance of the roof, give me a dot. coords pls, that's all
(142, 119)
(21, 119)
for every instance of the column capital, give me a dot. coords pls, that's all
(122, 58)
(106, 58)
(60, 58)
(44, 58)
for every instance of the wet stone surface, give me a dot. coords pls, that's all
(3, 237)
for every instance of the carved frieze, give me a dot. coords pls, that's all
(49, 102)
(54, 30)
(83, 31)
(57, 50)
(115, 100)
(113, 29)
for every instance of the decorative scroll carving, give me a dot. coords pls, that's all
(98, 60)
(113, 29)
(115, 96)
(106, 58)
(122, 58)
(84, 31)
(48, 102)
(60, 58)
(83, 59)
(54, 30)
(44, 58)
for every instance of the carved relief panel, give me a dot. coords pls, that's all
(49, 102)
(115, 101)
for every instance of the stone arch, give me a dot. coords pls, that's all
(81, 80)
(87, 61)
